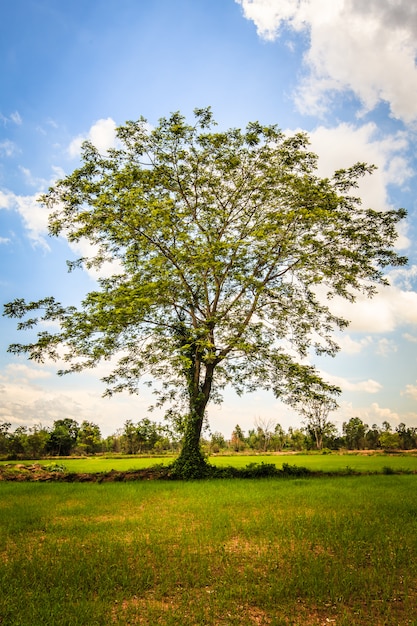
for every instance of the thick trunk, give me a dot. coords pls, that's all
(191, 462)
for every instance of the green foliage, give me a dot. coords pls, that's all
(213, 552)
(217, 442)
(221, 240)
(355, 431)
(55, 467)
(389, 441)
(63, 437)
(294, 470)
(89, 438)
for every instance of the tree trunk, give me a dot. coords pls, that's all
(191, 462)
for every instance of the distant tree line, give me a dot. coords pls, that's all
(66, 437)
(356, 435)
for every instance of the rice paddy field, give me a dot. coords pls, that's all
(336, 550)
(368, 462)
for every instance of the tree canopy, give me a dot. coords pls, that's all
(222, 240)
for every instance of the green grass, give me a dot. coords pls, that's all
(339, 550)
(328, 462)
(315, 462)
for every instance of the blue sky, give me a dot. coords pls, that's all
(344, 71)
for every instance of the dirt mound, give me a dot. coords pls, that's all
(42, 473)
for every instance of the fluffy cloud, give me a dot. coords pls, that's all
(376, 414)
(410, 338)
(8, 148)
(26, 372)
(342, 146)
(33, 214)
(6, 199)
(102, 134)
(84, 249)
(410, 390)
(32, 395)
(386, 347)
(389, 309)
(368, 48)
(364, 386)
(35, 218)
(352, 346)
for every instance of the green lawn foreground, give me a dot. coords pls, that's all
(334, 550)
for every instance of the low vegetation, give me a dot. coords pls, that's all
(297, 552)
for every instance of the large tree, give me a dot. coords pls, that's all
(222, 240)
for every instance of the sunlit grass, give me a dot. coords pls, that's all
(316, 462)
(213, 552)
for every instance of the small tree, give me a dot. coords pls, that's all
(63, 437)
(129, 438)
(372, 437)
(355, 431)
(89, 437)
(407, 436)
(387, 439)
(37, 441)
(265, 431)
(4, 437)
(315, 407)
(296, 439)
(17, 444)
(217, 442)
(221, 240)
(238, 440)
(279, 437)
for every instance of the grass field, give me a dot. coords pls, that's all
(315, 462)
(339, 550)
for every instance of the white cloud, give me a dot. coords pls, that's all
(83, 248)
(102, 134)
(365, 386)
(30, 397)
(31, 180)
(6, 199)
(410, 390)
(35, 218)
(404, 277)
(368, 48)
(13, 117)
(26, 372)
(374, 414)
(346, 144)
(8, 148)
(385, 312)
(16, 118)
(385, 347)
(33, 214)
(377, 414)
(352, 346)
(410, 338)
